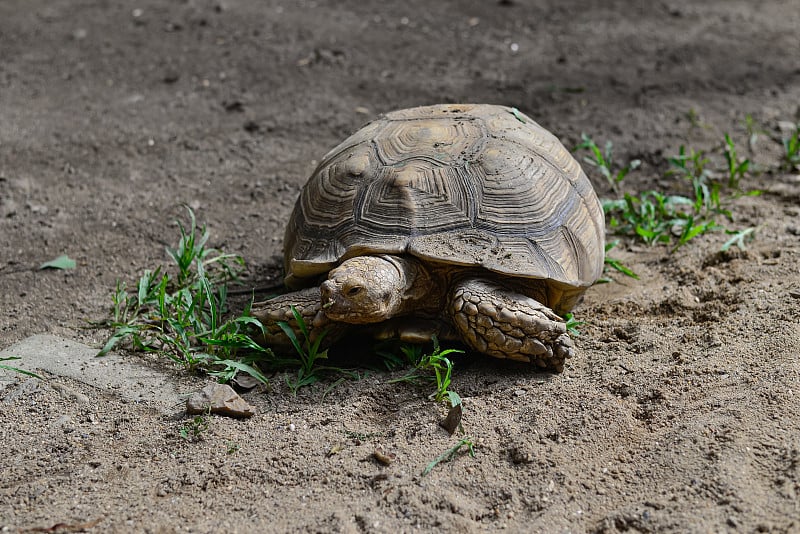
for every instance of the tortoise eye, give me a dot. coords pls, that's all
(353, 291)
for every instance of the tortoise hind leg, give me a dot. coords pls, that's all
(503, 323)
(308, 304)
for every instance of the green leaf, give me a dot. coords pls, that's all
(454, 398)
(314, 350)
(449, 454)
(241, 366)
(291, 335)
(300, 322)
(61, 262)
(619, 266)
(119, 335)
(572, 324)
(738, 239)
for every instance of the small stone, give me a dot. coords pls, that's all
(38, 209)
(383, 456)
(520, 393)
(251, 126)
(171, 76)
(219, 399)
(453, 419)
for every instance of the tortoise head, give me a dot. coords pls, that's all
(364, 289)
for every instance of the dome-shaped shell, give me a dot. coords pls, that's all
(466, 185)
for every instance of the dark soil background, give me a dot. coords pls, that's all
(681, 411)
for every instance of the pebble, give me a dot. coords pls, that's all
(219, 399)
(383, 456)
(65, 423)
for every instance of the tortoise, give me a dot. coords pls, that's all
(467, 221)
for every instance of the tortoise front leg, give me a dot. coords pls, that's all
(308, 304)
(497, 321)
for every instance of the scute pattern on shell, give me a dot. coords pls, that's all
(467, 185)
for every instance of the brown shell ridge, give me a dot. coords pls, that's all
(410, 202)
(554, 222)
(568, 168)
(438, 139)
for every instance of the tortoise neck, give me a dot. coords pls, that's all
(422, 290)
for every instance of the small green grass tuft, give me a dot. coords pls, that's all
(674, 220)
(436, 367)
(737, 167)
(195, 427)
(182, 316)
(572, 324)
(602, 160)
(451, 453)
(308, 353)
(791, 150)
(191, 250)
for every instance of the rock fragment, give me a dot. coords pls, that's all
(219, 399)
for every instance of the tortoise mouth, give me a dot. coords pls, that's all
(350, 304)
(327, 290)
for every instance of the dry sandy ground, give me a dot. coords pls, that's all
(681, 411)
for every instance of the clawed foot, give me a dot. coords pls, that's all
(506, 324)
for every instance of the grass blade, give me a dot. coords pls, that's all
(16, 369)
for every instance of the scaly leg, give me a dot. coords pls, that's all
(308, 304)
(497, 321)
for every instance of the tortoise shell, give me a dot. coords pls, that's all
(461, 186)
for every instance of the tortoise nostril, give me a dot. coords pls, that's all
(326, 289)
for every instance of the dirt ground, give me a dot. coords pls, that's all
(681, 410)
